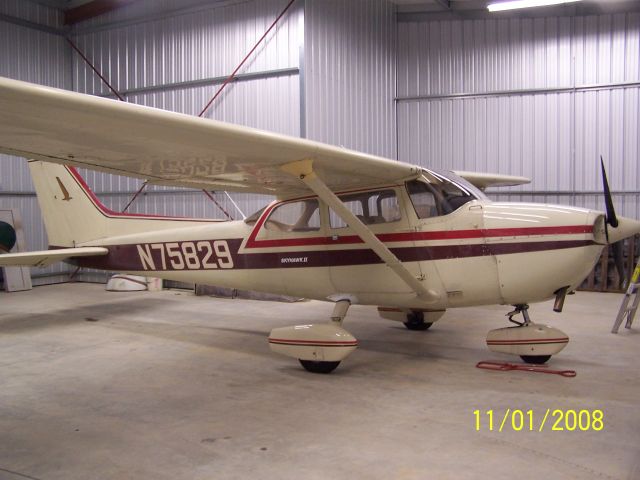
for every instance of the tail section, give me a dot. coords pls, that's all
(74, 216)
(70, 215)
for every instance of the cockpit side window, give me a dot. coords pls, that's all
(423, 199)
(301, 216)
(373, 207)
(435, 199)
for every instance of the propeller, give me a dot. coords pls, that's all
(612, 219)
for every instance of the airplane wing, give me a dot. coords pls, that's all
(171, 148)
(44, 258)
(484, 180)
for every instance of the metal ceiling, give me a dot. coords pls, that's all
(453, 8)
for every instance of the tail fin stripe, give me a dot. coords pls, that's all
(107, 212)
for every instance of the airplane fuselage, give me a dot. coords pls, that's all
(482, 253)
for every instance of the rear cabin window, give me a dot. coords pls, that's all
(371, 208)
(302, 216)
(435, 199)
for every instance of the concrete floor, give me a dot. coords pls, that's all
(98, 385)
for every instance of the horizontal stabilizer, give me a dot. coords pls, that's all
(484, 180)
(45, 258)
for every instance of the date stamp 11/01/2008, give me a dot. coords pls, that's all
(557, 420)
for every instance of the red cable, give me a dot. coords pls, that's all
(95, 70)
(135, 196)
(505, 366)
(231, 77)
(218, 204)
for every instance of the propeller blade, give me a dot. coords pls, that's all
(608, 201)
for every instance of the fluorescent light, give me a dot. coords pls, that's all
(513, 4)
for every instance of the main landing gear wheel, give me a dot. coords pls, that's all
(315, 366)
(319, 347)
(535, 359)
(415, 321)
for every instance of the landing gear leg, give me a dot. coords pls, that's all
(534, 343)
(337, 316)
(524, 310)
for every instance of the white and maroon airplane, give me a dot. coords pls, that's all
(346, 227)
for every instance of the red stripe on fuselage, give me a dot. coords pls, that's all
(418, 236)
(253, 242)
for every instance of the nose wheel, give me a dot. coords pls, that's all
(535, 359)
(533, 343)
(314, 366)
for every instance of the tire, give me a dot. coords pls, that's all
(415, 321)
(314, 366)
(535, 359)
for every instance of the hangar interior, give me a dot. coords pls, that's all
(166, 385)
(541, 94)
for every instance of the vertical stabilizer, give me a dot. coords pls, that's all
(70, 214)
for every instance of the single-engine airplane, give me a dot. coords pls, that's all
(346, 227)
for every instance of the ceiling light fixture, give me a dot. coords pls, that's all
(514, 4)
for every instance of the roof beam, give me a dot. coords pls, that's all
(92, 9)
(34, 26)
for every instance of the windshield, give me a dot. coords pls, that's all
(459, 182)
(440, 194)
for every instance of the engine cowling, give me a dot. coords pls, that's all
(7, 237)
(321, 342)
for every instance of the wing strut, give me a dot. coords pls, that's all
(304, 170)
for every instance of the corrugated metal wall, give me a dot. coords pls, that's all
(539, 97)
(176, 62)
(175, 56)
(350, 74)
(38, 56)
(172, 55)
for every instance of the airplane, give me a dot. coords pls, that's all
(346, 227)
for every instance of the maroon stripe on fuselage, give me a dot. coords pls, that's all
(127, 258)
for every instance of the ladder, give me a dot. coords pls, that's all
(625, 310)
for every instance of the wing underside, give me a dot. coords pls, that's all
(170, 148)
